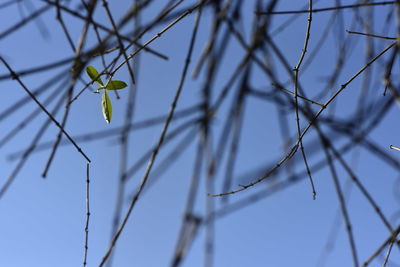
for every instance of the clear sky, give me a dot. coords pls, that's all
(274, 223)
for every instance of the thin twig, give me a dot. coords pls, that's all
(392, 242)
(120, 43)
(296, 89)
(327, 8)
(371, 35)
(15, 77)
(63, 26)
(86, 247)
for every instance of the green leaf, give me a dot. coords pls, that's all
(106, 107)
(93, 74)
(115, 85)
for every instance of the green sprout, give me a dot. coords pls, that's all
(106, 105)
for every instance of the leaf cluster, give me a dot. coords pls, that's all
(106, 104)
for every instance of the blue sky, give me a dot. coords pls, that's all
(42, 220)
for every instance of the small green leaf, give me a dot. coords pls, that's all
(116, 85)
(106, 107)
(93, 74)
